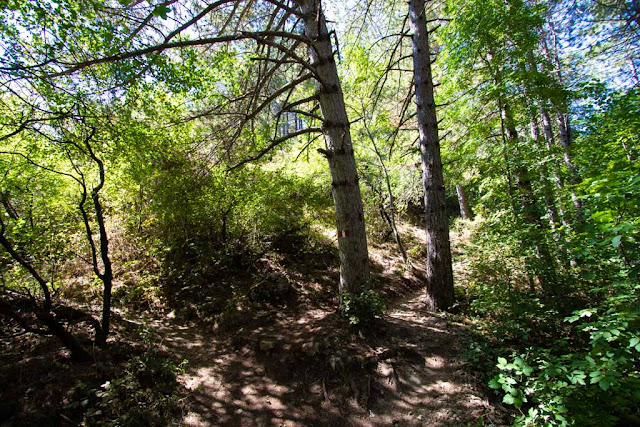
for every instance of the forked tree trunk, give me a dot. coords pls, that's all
(352, 239)
(439, 267)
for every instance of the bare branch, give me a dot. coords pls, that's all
(258, 36)
(274, 143)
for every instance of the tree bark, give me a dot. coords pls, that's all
(439, 267)
(465, 209)
(547, 130)
(106, 276)
(565, 141)
(352, 239)
(564, 126)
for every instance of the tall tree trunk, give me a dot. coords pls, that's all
(543, 266)
(547, 130)
(352, 239)
(107, 275)
(547, 190)
(549, 140)
(564, 125)
(564, 129)
(465, 209)
(439, 267)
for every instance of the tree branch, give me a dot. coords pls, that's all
(274, 143)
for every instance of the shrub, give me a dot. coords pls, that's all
(145, 395)
(594, 381)
(362, 308)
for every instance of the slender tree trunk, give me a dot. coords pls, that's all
(107, 275)
(394, 230)
(549, 139)
(547, 130)
(564, 131)
(465, 209)
(78, 352)
(564, 125)
(44, 314)
(565, 141)
(439, 267)
(352, 239)
(543, 266)
(547, 190)
(5, 199)
(391, 217)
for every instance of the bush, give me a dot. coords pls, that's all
(145, 395)
(362, 308)
(593, 380)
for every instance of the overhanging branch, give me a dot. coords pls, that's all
(274, 143)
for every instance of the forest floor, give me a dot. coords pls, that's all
(300, 371)
(279, 356)
(305, 365)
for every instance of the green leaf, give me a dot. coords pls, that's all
(495, 384)
(616, 241)
(510, 380)
(604, 384)
(161, 11)
(633, 342)
(508, 399)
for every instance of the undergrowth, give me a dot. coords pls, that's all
(570, 359)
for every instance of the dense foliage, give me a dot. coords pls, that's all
(179, 141)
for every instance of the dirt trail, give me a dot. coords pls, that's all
(299, 370)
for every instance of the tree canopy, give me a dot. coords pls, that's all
(171, 156)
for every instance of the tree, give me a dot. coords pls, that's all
(59, 153)
(439, 266)
(352, 241)
(465, 209)
(140, 44)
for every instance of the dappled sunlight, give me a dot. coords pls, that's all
(309, 369)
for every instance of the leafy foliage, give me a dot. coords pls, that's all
(592, 381)
(549, 157)
(363, 308)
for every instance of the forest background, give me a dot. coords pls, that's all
(150, 149)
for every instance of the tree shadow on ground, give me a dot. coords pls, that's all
(313, 369)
